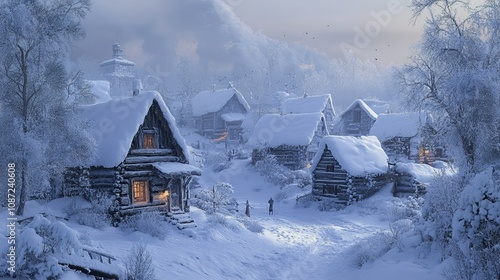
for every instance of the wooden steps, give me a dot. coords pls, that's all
(180, 219)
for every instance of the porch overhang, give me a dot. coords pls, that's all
(176, 169)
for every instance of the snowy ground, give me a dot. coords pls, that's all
(296, 243)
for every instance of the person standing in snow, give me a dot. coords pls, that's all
(247, 209)
(271, 201)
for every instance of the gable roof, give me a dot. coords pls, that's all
(356, 155)
(273, 130)
(388, 126)
(306, 104)
(211, 101)
(363, 106)
(115, 123)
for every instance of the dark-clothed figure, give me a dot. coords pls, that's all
(247, 209)
(271, 201)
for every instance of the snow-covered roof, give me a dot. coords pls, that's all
(377, 106)
(117, 60)
(233, 117)
(100, 89)
(273, 130)
(356, 155)
(117, 57)
(306, 104)
(388, 126)
(211, 101)
(423, 173)
(115, 123)
(363, 106)
(177, 168)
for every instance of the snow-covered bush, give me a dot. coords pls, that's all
(405, 208)
(96, 215)
(152, 223)
(302, 178)
(397, 229)
(139, 264)
(41, 243)
(438, 209)
(280, 175)
(476, 224)
(219, 198)
(217, 160)
(369, 249)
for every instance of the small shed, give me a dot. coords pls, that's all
(356, 120)
(408, 136)
(292, 139)
(347, 169)
(413, 178)
(218, 114)
(311, 104)
(142, 160)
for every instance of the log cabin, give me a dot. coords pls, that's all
(142, 160)
(311, 104)
(347, 169)
(218, 114)
(293, 139)
(356, 120)
(408, 136)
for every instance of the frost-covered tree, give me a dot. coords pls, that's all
(139, 264)
(35, 37)
(456, 75)
(476, 224)
(219, 197)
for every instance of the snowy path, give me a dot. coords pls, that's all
(316, 242)
(313, 241)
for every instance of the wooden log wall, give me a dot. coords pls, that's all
(406, 185)
(351, 127)
(339, 184)
(293, 157)
(332, 184)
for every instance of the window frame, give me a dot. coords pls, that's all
(154, 138)
(145, 196)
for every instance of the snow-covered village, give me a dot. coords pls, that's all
(238, 139)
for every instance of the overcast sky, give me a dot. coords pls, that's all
(378, 30)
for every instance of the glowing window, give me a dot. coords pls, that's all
(140, 192)
(148, 141)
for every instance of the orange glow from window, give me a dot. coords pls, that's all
(140, 192)
(223, 137)
(148, 141)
